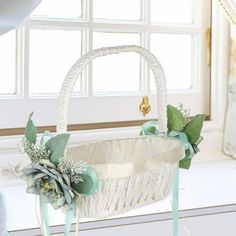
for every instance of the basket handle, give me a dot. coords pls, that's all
(76, 69)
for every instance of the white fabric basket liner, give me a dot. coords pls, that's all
(118, 158)
(132, 172)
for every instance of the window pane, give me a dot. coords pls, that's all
(52, 53)
(59, 8)
(172, 11)
(174, 53)
(8, 63)
(117, 10)
(116, 72)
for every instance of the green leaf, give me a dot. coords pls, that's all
(185, 163)
(84, 187)
(199, 140)
(57, 146)
(195, 148)
(89, 184)
(193, 128)
(176, 119)
(31, 130)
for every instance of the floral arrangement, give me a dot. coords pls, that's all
(187, 130)
(58, 180)
(51, 175)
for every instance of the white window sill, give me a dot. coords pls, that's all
(208, 188)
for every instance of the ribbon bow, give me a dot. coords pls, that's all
(189, 151)
(150, 128)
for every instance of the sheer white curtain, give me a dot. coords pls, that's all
(229, 7)
(229, 145)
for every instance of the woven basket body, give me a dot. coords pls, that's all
(132, 172)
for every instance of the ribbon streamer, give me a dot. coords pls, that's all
(44, 224)
(69, 217)
(175, 203)
(149, 128)
(77, 222)
(44, 217)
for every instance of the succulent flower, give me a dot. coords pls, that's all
(54, 187)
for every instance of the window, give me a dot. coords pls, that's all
(35, 58)
(8, 63)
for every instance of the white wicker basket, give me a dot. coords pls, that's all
(132, 172)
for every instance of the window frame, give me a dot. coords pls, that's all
(87, 28)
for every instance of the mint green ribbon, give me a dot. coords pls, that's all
(45, 221)
(189, 150)
(175, 203)
(45, 137)
(150, 128)
(69, 218)
(44, 217)
(183, 138)
(94, 179)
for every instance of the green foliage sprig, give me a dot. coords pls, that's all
(177, 122)
(187, 130)
(52, 175)
(192, 128)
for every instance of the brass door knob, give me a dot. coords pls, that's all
(144, 106)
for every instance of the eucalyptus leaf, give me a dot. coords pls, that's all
(57, 147)
(89, 184)
(195, 148)
(85, 187)
(31, 130)
(176, 119)
(199, 140)
(194, 127)
(67, 197)
(185, 163)
(28, 171)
